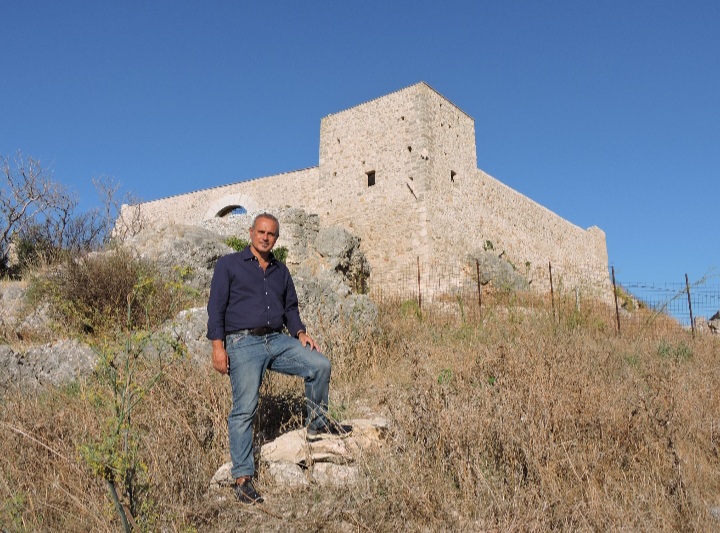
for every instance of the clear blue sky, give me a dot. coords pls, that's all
(605, 112)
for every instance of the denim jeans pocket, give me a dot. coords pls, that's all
(234, 339)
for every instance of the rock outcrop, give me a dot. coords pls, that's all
(186, 252)
(55, 363)
(496, 271)
(292, 460)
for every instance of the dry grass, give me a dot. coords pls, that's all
(514, 422)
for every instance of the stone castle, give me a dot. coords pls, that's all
(400, 172)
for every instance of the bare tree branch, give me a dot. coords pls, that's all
(40, 214)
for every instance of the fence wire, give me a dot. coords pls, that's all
(433, 287)
(672, 299)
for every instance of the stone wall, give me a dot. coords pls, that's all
(485, 213)
(257, 195)
(400, 172)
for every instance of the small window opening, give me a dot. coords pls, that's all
(371, 178)
(452, 175)
(232, 210)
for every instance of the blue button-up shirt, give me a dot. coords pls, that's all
(244, 296)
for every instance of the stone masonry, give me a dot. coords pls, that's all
(400, 172)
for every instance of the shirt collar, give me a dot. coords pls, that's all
(247, 255)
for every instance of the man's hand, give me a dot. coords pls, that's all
(306, 340)
(219, 357)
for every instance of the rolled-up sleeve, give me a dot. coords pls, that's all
(218, 301)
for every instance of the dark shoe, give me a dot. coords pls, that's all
(246, 492)
(329, 431)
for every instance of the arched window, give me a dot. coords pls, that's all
(231, 210)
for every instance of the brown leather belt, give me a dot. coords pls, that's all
(256, 332)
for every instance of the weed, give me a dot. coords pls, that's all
(238, 244)
(445, 376)
(678, 353)
(115, 456)
(11, 512)
(411, 308)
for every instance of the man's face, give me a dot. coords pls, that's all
(264, 235)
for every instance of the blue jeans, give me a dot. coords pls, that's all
(249, 357)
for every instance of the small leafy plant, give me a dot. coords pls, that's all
(238, 244)
(125, 377)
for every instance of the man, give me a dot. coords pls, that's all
(252, 298)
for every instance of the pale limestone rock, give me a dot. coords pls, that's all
(288, 448)
(291, 460)
(288, 474)
(332, 474)
(222, 477)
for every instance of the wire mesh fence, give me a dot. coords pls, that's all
(456, 290)
(672, 299)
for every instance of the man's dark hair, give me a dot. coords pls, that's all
(269, 216)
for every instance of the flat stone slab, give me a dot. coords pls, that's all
(293, 460)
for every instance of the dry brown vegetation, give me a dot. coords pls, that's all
(516, 421)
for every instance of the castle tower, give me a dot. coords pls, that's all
(380, 163)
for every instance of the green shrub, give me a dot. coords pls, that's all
(34, 248)
(410, 307)
(679, 352)
(238, 244)
(93, 294)
(280, 253)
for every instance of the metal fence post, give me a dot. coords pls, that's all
(479, 287)
(617, 309)
(692, 322)
(419, 291)
(552, 291)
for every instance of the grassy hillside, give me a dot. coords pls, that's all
(513, 421)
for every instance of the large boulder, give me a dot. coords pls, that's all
(56, 363)
(186, 252)
(190, 327)
(496, 271)
(12, 307)
(330, 283)
(19, 320)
